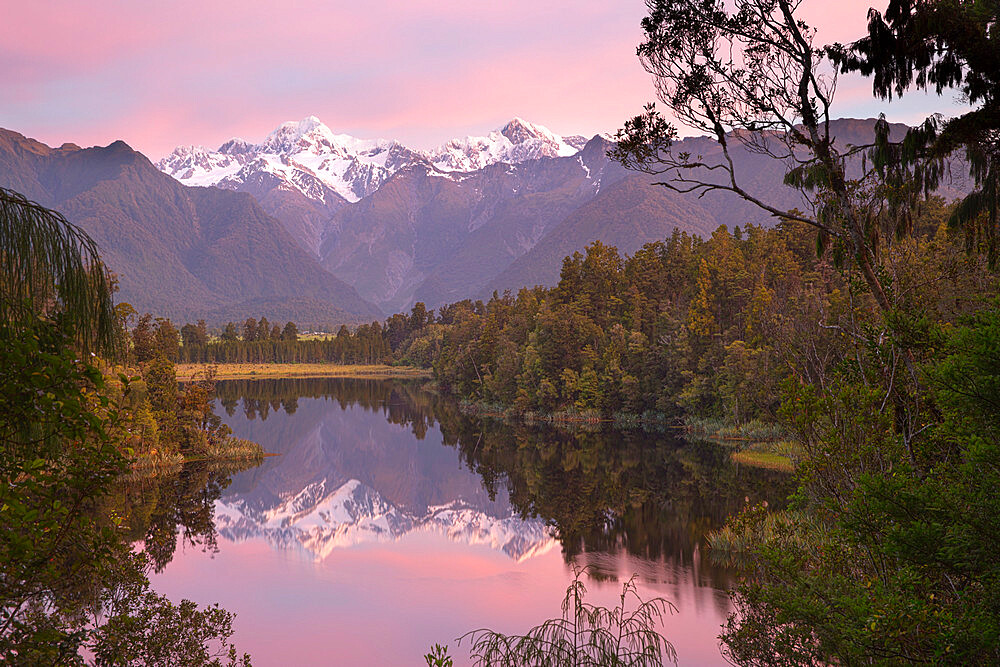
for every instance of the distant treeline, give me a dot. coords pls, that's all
(365, 345)
(256, 341)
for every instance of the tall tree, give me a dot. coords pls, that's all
(190, 335)
(202, 332)
(749, 74)
(144, 339)
(166, 339)
(250, 330)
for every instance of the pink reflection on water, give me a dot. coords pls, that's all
(387, 603)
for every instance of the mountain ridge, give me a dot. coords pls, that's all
(179, 252)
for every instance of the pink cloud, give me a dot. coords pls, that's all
(201, 71)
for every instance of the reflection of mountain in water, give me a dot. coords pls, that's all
(363, 461)
(347, 475)
(318, 521)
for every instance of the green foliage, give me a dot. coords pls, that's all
(586, 634)
(56, 459)
(884, 562)
(143, 339)
(70, 579)
(194, 334)
(438, 657)
(149, 630)
(939, 45)
(50, 266)
(229, 334)
(683, 327)
(367, 344)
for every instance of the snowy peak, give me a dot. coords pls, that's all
(236, 146)
(310, 135)
(308, 157)
(519, 131)
(517, 141)
(196, 165)
(304, 156)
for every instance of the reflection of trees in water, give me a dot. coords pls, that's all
(610, 491)
(606, 491)
(403, 402)
(157, 510)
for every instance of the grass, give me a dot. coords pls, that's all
(231, 451)
(768, 460)
(731, 546)
(751, 431)
(758, 444)
(325, 369)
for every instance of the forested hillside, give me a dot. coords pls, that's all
(688, 326)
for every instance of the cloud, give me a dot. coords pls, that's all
(200, 71)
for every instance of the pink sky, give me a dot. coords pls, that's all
(201, 71)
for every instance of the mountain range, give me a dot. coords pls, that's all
(474, 215)
(326, 228)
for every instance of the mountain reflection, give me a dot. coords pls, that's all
(362, 461)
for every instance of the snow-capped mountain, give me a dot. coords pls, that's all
(517, 141)
(317, 521)
(308, 157)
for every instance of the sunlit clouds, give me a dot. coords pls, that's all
(199, 72)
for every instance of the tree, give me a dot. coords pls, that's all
(47, 486)
(290, 332)
(263, 329)
(202, 333)
(891, 568)
(250, 330)
(50, 266)
(147, 629)
(62, 557)
(871, 567)
(944, 45)
(230, 334)
(192, 334)
(751, 76)
(420, 316)
(144, 339)
(166, 339)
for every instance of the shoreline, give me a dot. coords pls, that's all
(255, 371)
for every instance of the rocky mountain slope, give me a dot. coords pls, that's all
(178, 251)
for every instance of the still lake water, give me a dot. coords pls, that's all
(391, 521)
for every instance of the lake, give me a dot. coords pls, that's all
(391, 521)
